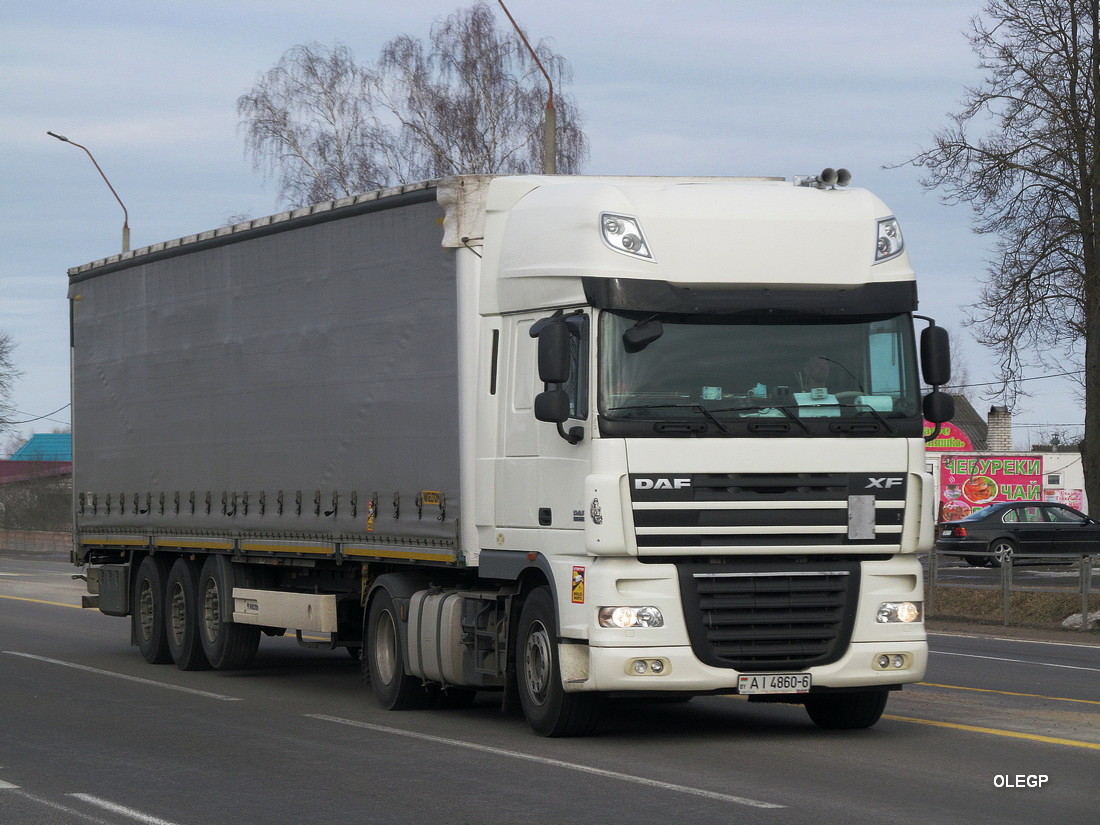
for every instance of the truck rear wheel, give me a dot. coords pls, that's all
(384, 659)
(182, 616)
(147, 617)
(227, 645)
(550, 711)
(846, 711)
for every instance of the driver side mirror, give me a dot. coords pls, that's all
(554, 352)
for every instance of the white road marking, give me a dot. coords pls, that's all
(1008, 639)
(1015, 661)
(138, 679)
(7, 786)
(557, 763)
(57, 806)
(122, 810)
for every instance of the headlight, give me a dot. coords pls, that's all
(890, 243)
(624, 234)
(631, 617)
(899, 612)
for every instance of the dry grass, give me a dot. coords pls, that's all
(1044, 610)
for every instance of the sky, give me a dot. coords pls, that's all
(693, 87)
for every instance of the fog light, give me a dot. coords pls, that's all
(646, 616)
(899, 612)
(648, 667)
(892, 661)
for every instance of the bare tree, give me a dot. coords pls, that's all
(1023, 152)
(8, 374)
(309, 121)
(470, 100)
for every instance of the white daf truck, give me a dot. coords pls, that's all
(564, 438)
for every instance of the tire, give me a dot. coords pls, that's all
(384, 660)
(226, 644)
(148, 613)
(1003, 550)
(182, 616)
(976, 561)
(847, 711)
(550, 711)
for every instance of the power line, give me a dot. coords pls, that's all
(1013, 381)
(41, 417)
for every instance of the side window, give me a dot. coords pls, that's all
(1057, 514)
(1011, 517)
(1031, 515)
(577, 385)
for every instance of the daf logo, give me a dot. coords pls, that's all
(661, 483)
(884, 483)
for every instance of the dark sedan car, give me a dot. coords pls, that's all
(1008, 530)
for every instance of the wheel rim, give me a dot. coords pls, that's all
(145, 610)
(536, 662)
(385, 648)
(177, 615)
(1002, 552)
(211, 610)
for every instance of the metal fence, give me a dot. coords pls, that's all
(1085, 587)
(36, 541)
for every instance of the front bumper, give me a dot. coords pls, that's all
(608, 669)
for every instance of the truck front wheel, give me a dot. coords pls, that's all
(148, 612)
(550, 711)
(182, 616)
(846, 711)
(384, 659)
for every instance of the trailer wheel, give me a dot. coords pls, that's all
(227, 645)
(847, 711)
(148, 614)
(550, 711)
(182, 614)
(384, 659)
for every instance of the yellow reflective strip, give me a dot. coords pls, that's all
(194, 544)
(257, 547)
(411, 555)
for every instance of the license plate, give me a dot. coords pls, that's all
(774, 683)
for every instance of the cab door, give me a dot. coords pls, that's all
(540, 474)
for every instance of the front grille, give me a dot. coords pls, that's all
(764, 617)
(769, 512)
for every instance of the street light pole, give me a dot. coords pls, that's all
(550, 119)
(125, 214)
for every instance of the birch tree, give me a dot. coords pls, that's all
(470, 99)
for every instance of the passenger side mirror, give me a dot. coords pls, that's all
(935, 356)
(939, 407)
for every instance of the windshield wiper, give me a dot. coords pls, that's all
(706, 413)
(785, 410)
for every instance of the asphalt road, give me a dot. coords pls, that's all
(89, 733)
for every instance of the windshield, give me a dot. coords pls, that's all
(732, 376)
